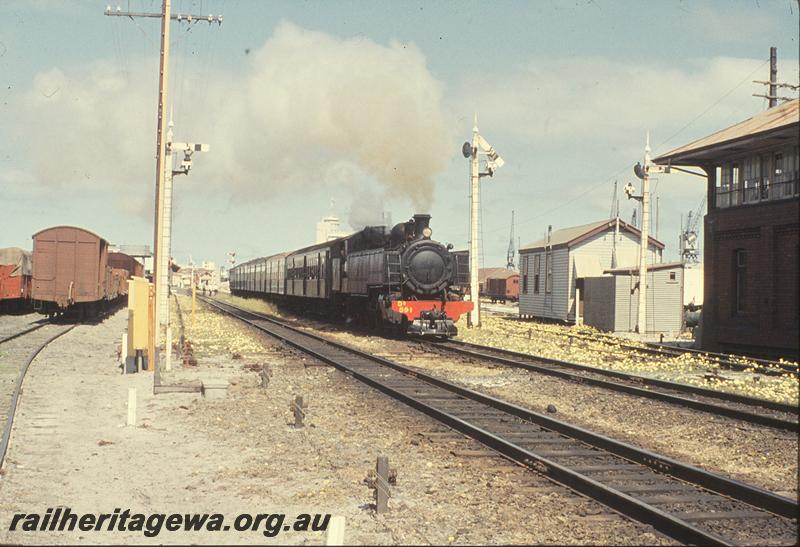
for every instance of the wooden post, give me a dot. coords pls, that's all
(335, 532)
(382, 485)
(299, 412)
(132, 406)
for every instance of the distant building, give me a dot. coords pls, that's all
(328, 228)
(611, 302)
(552, 269)
(750, 262)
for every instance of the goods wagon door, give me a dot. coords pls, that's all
(81, 263)
(65, 289)
(44, 269)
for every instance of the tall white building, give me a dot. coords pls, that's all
(328, 228)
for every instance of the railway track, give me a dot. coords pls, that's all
(732, 405)
(722, 360)
(17, 352)
(22, 332)
(683, 502)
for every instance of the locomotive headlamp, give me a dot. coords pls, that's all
(427, 232)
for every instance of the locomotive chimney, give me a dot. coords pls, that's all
(420, 223)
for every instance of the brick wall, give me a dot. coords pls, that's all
(768, 324)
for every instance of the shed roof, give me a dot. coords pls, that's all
(495, 273)
(567, 237)
(773, 126)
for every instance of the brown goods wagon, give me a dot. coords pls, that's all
(126, 262)
(503, 288)
(69, 267)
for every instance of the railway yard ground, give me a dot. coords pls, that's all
(242, 454)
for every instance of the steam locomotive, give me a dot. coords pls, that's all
(399, 279)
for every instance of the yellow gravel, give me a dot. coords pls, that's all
(588, 346)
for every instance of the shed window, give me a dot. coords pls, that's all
(525, 274)
(740, 279)
(672, 276)
(548, 283)
(537, 266)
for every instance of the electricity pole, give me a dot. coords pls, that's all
(471, 151)
(161, 164)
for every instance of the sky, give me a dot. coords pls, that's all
(361, 108)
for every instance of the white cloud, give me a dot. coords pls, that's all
(555, 103)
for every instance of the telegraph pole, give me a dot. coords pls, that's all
(159, 268)
(163, 80)
(773, 84)
(471, 151)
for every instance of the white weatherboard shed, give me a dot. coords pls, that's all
(612, 301)
(552, 269)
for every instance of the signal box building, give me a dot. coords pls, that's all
(553, 269)
(750, 260)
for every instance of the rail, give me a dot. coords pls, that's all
(23, 370)
(641, 386)
(723, 360)
(686, 503)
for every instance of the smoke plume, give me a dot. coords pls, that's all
(306, 104)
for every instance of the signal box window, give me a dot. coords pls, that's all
(537, 265)
(740, 280)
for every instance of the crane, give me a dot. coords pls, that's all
(511, 255)
(689, 244)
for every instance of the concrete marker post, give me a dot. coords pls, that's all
(131, 406)
(335, 533)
